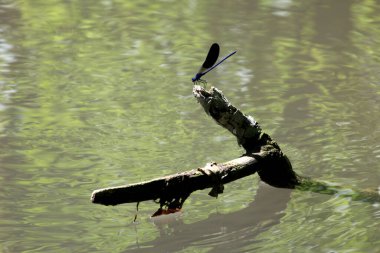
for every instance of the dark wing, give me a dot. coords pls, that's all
(211, 58)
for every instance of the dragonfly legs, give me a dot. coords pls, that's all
(204, 82)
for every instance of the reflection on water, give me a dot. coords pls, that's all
(95, 95)
(219, 232)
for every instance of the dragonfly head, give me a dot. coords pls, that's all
(196, 77)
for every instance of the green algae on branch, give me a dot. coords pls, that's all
(366, 195)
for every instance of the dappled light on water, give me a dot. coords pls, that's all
(96, 95)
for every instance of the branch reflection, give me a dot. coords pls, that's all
(224, 232)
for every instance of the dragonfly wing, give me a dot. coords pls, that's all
(216, 65)
(211, 58)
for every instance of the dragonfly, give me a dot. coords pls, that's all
(209, 63)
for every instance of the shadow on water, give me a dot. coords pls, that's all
(220, 231)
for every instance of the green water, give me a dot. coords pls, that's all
(98, 93)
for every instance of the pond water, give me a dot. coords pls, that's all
(99, 93)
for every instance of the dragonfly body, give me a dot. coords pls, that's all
(208, 64)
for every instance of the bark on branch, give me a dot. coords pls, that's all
(179, 185)
(263, 156)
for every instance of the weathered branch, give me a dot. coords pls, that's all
(276, 169)
(263, 156)
(178, 185)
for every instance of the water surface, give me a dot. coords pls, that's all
(96, 94)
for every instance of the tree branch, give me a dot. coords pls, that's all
(263, 156)
(178, 185)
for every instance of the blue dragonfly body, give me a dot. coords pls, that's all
(208, 65)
